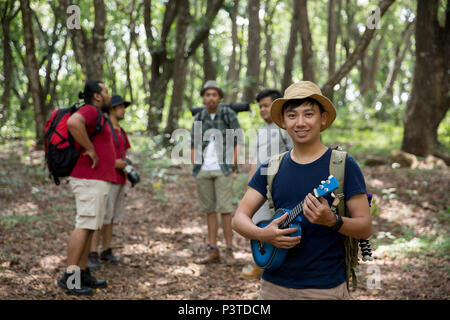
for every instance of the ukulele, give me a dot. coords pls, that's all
(269, 257)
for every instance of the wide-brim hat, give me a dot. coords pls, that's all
(211, 84)
(302, 90)
(117, 100)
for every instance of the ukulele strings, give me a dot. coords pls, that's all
(292, 215)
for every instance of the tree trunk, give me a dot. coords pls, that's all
(253, 51)
(209, 68)
(161, 67)
(269, 12)
(369, 67)
(386, 93)
(180, 69)
(356, 55)
(90, 52)
(233, 72)
(429, 100)
(307, 51)
(332, 36)
(32, 69)
(8, 60)
(292, 45)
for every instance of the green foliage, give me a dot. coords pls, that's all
(363, 129)
(434, 245)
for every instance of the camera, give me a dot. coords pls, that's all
(235, 106)
(132, 175)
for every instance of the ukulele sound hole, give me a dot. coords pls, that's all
(261, 247)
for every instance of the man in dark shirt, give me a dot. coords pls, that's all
(314, 267)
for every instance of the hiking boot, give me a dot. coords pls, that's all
(82, 291)
(229, 258)
(212, 257)
(88, 280)
(107, 255)
(252, 274)
(93, 262)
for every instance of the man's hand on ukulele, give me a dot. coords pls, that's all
(318, 211)
(280, 237)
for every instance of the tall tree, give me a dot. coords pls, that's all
(8, 13)
(268, 23)
(357, 53)
(292, 45)
(333, 27)
(233, 71)
(161, 66)
(399, 55)
(183, 53)
(90, 51)
(253, 51)
(209, 69)
(32, 68)
(369, 66)
(429, 100)
(305, 36)
(180, 66)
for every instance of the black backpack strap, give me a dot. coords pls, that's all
(98, 128)
(202, 115)
(226, 115)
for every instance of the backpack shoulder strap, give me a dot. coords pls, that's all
(201, 116)
(337, 169)
(272, 169)
(225, 114)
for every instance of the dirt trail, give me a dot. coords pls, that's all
(161, 233)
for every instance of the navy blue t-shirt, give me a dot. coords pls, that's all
(318, 261)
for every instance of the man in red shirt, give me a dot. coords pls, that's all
(116, 195)
(90, 181)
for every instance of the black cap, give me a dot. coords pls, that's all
(116, 100)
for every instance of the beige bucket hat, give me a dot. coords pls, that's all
(302, 90)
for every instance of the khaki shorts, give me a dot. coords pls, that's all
(215, 191)
(90, 198)
(115, 203)
(270, 291)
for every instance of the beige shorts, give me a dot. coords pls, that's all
(115, 203)
(270, 291)
(215, 191)
(90, 198)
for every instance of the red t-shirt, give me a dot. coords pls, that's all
(104, 147)
(121, 147)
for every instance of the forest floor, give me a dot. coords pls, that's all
(161, 233)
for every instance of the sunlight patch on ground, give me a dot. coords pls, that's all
(192, 270)
(193, 230)
(50, 262)
(139, 248)
(164, 230)
(26, 209)
(415, 246)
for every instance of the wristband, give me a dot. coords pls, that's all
(338, 224)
